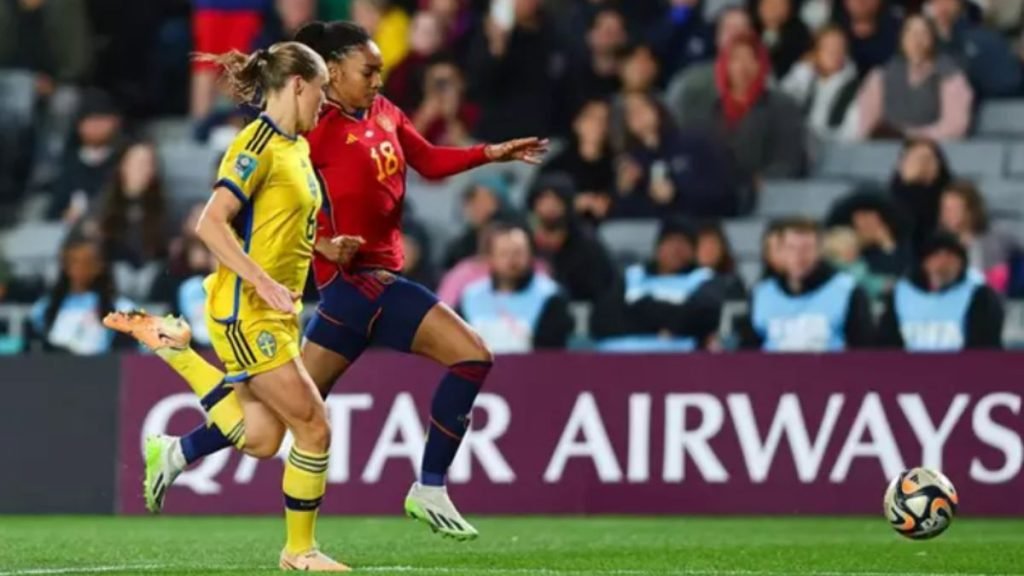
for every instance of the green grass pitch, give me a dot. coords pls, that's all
(602, 546)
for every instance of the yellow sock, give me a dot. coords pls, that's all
(305, 480)
(203, 377)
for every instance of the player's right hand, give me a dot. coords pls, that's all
(277, 296)
(340, 249)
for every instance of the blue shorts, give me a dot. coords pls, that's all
(371, 307)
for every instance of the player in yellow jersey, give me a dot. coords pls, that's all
(261, 225)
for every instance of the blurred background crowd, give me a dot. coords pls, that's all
(805, 175)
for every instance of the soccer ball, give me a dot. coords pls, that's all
(920, 503)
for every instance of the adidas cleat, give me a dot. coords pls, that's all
(431, 505)
(164, 462)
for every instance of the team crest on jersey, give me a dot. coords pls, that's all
(245, 165)
(386, 124)
(267, 344)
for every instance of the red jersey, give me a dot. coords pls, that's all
(362, 166)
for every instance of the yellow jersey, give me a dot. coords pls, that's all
(271, 174)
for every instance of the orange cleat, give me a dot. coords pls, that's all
(311, 561)
(153, 331)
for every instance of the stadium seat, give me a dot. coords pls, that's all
(1001, 118)
(1005, 198)
(31, 246)
(188, 171)
(1015, 162)
(750, 271)
(866, 161)
(974, 159)
(629, 240)
(811, 198)
(745, 237)
(877, 160)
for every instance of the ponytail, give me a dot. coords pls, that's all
(250, 77)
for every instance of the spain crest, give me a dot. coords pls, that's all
(386, 123)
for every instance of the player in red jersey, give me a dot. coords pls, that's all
(361, 149)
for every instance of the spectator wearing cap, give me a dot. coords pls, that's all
(808, 306)
(587, 160)
(405, 85)
(873, 30)
(986, 56)
(943, 306)
(879, 228)
(825, 86)
(90, 161)
(666, 171)
(917, 183)
(517, 69)
(692, 89)
(919, 93)
(578, 261)
(753, 118)
(668, 304)
(962, 212)
(516, 309)
(782, 32)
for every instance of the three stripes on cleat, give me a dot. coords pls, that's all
(442, 520)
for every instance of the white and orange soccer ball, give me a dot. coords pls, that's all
(920, 503)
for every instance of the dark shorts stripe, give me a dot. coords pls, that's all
(245, 343)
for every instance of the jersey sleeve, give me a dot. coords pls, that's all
(245, 166)
(436, 162)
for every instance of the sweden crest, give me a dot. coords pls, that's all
(267, 344)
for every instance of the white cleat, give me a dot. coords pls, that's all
(164, 462)
(431, 505)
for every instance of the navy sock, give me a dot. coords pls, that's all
(203, 441)
(449, 418)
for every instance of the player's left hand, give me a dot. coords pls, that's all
(529, 150)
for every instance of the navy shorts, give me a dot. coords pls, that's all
(372, 307)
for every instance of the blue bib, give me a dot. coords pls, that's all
(673, 289)
(811, 322)
(507, 320)
(934, 321)
(78, 327)
(192, 304)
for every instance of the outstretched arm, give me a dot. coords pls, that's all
(437, 162)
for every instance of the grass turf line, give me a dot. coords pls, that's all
(513, 546)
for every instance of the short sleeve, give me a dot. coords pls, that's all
(245, 165)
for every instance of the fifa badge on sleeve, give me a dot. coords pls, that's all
(245, 165)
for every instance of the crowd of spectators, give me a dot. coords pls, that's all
(672, 110)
